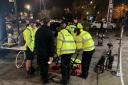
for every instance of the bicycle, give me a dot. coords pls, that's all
(106, 61)
(21, 56)
(20, 59)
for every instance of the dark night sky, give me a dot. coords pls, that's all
(120, 1)
(50, 3)
(5, 6)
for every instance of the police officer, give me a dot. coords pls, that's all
(85, 43)
(65, 49)
(29, 37)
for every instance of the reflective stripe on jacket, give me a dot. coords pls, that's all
(65, 43)
(84, 41)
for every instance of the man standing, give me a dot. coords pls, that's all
(44, 48)
(66, 47)
(100, 34)
(29, 37)
(85, 43)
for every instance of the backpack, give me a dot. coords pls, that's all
(76, 67)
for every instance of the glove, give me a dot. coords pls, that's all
(50, 60)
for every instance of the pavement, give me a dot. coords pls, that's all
(10, 75)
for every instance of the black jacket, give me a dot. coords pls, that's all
(44, 42)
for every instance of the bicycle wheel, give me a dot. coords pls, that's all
(20, 59)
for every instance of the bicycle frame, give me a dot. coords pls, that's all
(105, 63)
(108, 55)
(17, 58)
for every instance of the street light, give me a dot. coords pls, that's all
(91, 2)
(98, 12)
(87, 12)
(27, 6)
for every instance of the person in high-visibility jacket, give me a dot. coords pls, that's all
(29, 37)
(66, 47)
(85, 43)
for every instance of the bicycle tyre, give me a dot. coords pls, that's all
(20, 59)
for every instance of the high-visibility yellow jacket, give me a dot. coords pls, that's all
(84, 41)
(65, 43)
(29, 37)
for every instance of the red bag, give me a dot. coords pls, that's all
(76, 71)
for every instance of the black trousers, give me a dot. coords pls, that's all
(42, 62)
(65, 67)
(86, 60)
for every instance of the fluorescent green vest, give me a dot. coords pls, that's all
(65, 43)
(29, 37)
(84, 41)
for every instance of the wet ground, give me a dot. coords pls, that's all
(10, 75)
